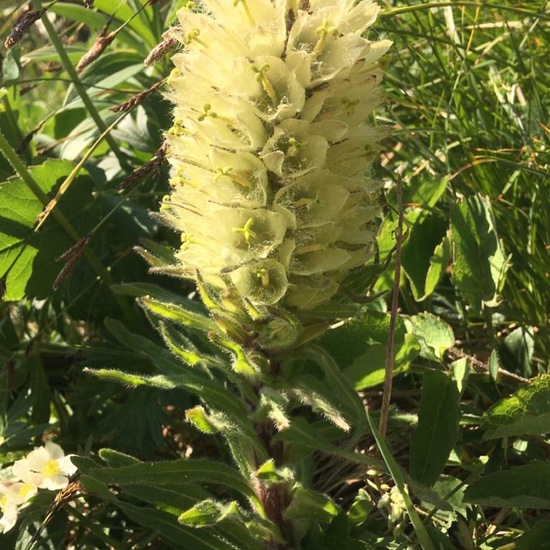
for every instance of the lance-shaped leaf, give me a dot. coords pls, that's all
(437, 430)
(161, 474)
(179, 314)
(209, 512)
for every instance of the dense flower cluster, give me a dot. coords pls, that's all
(270, 147)
(45, 467)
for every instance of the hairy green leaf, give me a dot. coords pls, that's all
(525, 412)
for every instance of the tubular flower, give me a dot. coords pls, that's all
(271, 148)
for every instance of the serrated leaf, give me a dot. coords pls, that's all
(437, 430)
(525, 412)
(522, 487)
(480, 264)
(434, 335)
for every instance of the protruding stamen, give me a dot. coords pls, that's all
(261, 77)
(322, 32)
(207, 112)
(193, 36)
(246, 231)
(236, 178)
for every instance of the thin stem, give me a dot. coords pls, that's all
(80, 88)
(390, 353)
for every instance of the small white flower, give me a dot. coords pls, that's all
(13, 495)
(46, 467)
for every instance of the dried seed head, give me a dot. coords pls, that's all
(96, 50)
(150, 168)
(138, 98)
(71, 258)
(159, 51)
(22, 25)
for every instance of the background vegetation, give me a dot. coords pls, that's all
(468, 93)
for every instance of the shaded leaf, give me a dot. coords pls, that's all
(437, 430)
(522, 487)
(480, 264)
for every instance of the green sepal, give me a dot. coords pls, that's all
(310, 505)
(274, 405)
(242, 363)
(268, 472)
(184, 349)
(198, 417)
(178, 314)
(208, 512)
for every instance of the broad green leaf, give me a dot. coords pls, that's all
(525, 412)
(370, 369)
(124, 13)
(480, 264)
(424, 191)
(419, 255)
(161, 474)
(438, 265)
(27, 258)
(437, 430)
(522, 487)
(434, 335)
(91, 18)
(361, 508)
(310, 505)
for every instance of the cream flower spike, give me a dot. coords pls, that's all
(271, 146)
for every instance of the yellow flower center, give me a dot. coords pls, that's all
(3, 502)
(51, 468)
